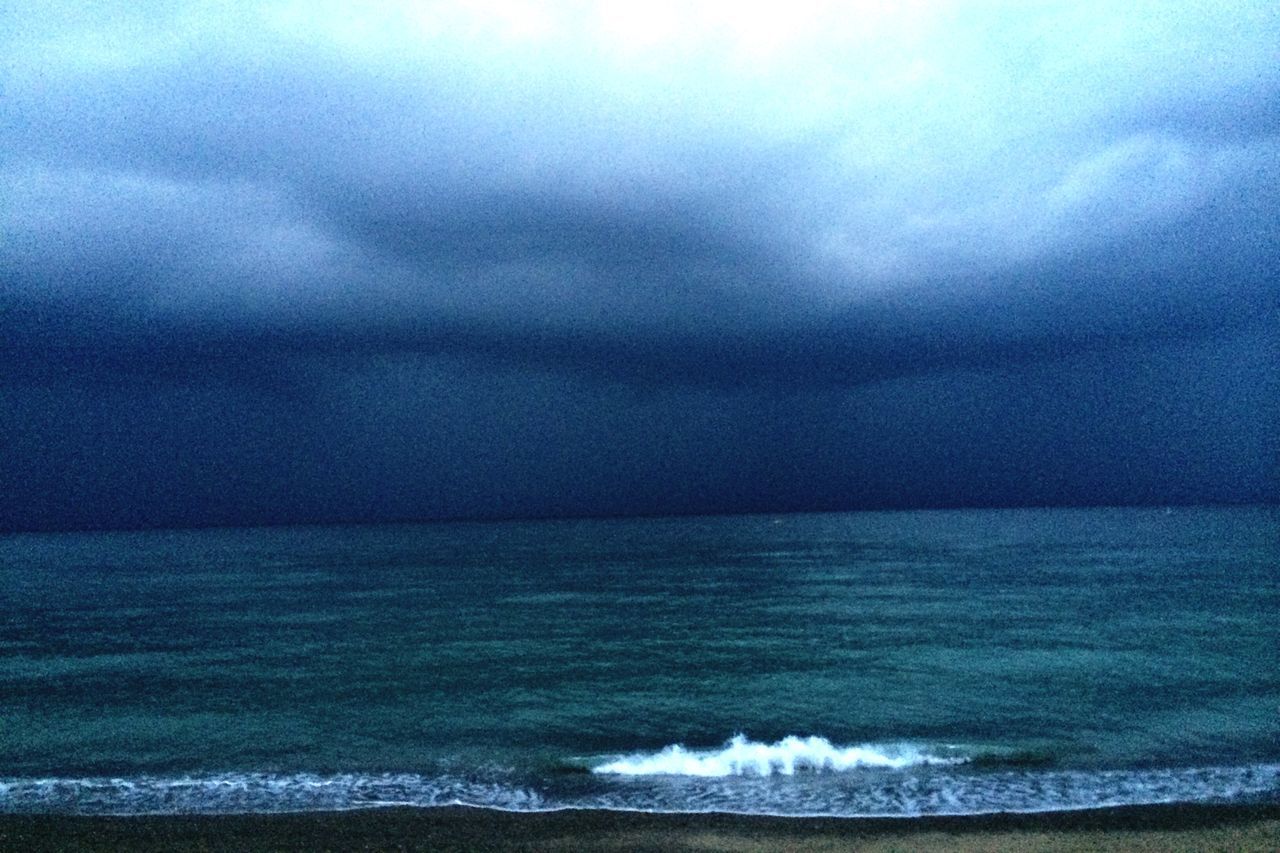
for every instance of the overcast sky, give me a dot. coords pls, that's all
(272, 262)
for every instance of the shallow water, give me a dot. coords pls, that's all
(926, 662)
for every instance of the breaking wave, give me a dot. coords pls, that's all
(742, 757)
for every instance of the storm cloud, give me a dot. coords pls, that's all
(287, 261)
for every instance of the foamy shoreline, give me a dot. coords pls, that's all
(1163, 827)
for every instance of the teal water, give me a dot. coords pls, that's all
(871, 663)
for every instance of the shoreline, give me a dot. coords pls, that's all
(1153, 827)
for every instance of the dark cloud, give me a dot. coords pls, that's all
(755, 213)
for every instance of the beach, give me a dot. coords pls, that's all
(639, 426)
(1162, 827)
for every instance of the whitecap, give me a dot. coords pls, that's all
(740, 757)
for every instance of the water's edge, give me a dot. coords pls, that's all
(873, 795)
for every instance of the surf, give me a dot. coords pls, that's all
(910, 791)
(741, 757)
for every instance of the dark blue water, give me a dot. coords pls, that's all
(870, 663)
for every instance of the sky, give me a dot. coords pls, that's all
(305, 261)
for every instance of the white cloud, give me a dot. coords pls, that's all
(868, 146)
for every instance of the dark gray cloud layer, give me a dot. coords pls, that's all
(739, 226)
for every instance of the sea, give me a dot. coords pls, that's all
(856, 664)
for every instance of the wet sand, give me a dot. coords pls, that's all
(459, 828)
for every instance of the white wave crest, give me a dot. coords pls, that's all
(741, 756)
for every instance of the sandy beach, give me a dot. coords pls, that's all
(1175, 827)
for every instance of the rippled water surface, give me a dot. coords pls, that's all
(873, 663)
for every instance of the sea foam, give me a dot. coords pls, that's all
(741, 757)
(903, 793)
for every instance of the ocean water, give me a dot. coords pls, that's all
(845, 664)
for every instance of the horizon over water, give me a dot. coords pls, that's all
(866, 663)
